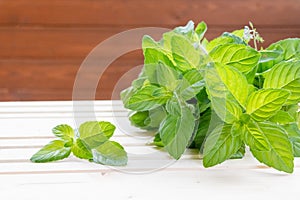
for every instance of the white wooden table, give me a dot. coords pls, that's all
(151, 174)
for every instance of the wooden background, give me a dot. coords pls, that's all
(43, 42)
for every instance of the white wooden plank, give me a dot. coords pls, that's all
(30, 142)
(138, 150)
(43, 126)
(135, 165)
(213, 184)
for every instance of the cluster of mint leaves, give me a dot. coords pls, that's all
(90, 142)
(219, 96)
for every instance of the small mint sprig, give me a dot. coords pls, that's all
(91, 143)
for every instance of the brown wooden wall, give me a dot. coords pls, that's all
(43, 42)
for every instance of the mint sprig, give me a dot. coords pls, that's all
(219, 96)
(91, 143)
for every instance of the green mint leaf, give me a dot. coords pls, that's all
(266, 57)
(200, 30)
(193, 76)
(138, 119)
(237, 129)
(162, 75)
(97, 127)
(188, 28)
(236, 39)
(63, 131)
(240, 153)
(285, 75)
(220, 146)
(280, 155)
(243, 58)
(288, 48)
(148, 120)
(218, 42)
(226, 96)
(94, 133)
(126, 94)
(177, 128)
(203, 100)
(53, 151)
(294, 136)
(191, 84)
(81, 151)
(157, 140)
(203, 128)
(188, 91)
(241, 34)
(110, 153)
(147, 98)
(264, 103)
(156, 116)
(184, 53)
(282, 117)
(155, 53)
(255, 138)
(294, 111)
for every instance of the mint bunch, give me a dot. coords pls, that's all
(220, 96)
(90, 142)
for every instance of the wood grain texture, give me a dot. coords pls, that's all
(141, 13)
(43, 42)
(76, 43)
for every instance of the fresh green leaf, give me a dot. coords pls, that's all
(188, 28)
(293, 133)
(264, 103)
(81, 151)
(148, 119)
(94, 133)
(184, 53)
(63, 131)
(237, 129)
(285, 75)
(201, 30)
(53, 151)
(156, 116)
(243, 58)
(240, 153)
(126, 94)
(191, 84)
(282, 117)
(294, 111)
(177, 129)
(288, 48)
(218, 42)
(147, 98)
(236, 39)
(222, 91)
(110, 153)
(220, 146)
(162, 75)
(280, 155)
(203, 100)
(203, 128)
(97, 127)
(138, 119)
(157, 141)
(155, 53)
(267, 56)
(255, 137)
